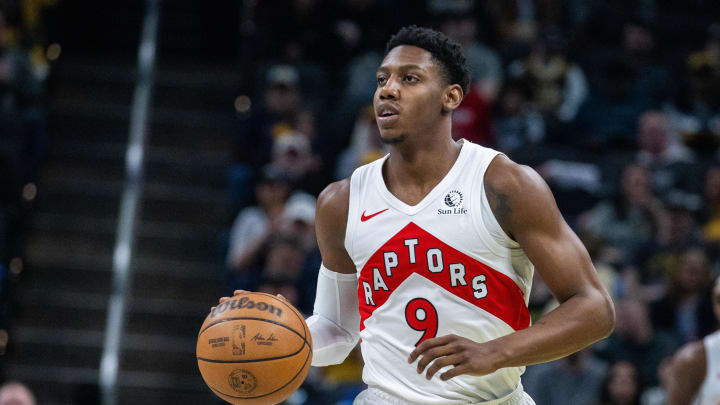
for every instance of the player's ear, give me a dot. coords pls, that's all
(452, 97)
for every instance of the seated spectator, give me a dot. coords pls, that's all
(622, 386)
(517, 123)
(684, 308)
(639, 48)
(257, 130)
(658, 261)
(292, 156)
(472, 119)
(636, 340)
(657, 394)
(284, 261)
(608, 117)
(285, 287)
(290, 259)
(299, 217)
(711, 194)
(516, 23)
(633, 218)
(484, 62)
(16, 393)
(365, 144)
(697, 114)
(575, 379)
(252, 228)
(20, 87)
(660, 151)
(710, 55)
(558, 85)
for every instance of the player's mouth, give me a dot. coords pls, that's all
(387, 115)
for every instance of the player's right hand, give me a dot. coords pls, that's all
(223, 299)
(240, 292)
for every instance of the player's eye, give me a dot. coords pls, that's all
(381, 80)
(410, 79)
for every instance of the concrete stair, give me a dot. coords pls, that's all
(57, 337)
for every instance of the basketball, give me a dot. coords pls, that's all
(254, 349)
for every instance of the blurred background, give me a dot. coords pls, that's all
(258, 104)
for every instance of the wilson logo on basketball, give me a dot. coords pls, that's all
(245, 302)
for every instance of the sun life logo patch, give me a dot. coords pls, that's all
(453, 201)
(454, 198)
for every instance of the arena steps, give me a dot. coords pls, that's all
(150, 388)
(62, 298)
(162, 202)
(169, 165)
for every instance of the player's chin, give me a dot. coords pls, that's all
(391, 136)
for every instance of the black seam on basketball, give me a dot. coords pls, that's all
(253, 360)
(278, 389)
(302, 321)
(256, 319)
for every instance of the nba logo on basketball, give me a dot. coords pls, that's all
(239, 340)
(453, 201)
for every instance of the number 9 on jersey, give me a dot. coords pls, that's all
(421, 315)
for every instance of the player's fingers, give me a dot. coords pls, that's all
(432, 354)
(451, 360)
(455, 371)
(212, 309)
(223, 299)
(238, 292)
(429, 344)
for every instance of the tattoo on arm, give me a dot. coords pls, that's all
(500, 207)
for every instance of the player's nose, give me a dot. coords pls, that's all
(391, 90)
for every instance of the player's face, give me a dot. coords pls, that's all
(408, 94)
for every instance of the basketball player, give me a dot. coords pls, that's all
(696, 367)
(428, 253)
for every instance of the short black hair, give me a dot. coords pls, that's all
(447, 52)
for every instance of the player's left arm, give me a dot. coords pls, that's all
(525, 208)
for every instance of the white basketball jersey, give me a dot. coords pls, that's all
(443, 266)
(709, 393)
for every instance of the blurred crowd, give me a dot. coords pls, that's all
(24, 68)
(615, 103)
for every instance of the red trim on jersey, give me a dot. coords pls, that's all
(504, 298)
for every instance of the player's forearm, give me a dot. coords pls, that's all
(578, 322)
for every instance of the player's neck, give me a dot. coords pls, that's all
(415, 168)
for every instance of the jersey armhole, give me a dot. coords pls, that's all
(355, 182)
(486, 225)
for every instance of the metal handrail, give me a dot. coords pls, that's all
(130, 204)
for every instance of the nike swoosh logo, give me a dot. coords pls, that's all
(364, 217)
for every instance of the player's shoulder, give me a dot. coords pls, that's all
(333, 206)
(690, 357)
(335, 197)
(508, 178)
(690, 361)
(517, 194)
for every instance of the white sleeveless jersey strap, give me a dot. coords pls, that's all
(358, 183)
(709, 393)
(486, 224)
